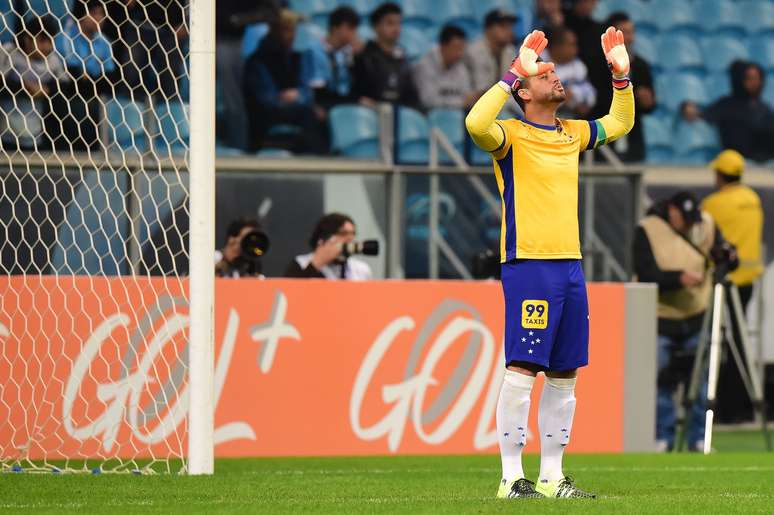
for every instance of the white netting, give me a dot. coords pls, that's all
(93, 234)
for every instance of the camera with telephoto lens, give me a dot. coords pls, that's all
(365, 247)
(725, 258)
(255, 244)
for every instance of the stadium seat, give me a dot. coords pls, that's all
(645, 47)
(355, 131)
(768, 90)
(275, 153)
(478, 157)
(418, 14)
(414, 42)
(482, 7)
(174, 127)
(224, 151)
(365, 32)
(758, 15)
(7, 21)
(412, 136)
(678, 52)
(671, 93)
(363, 7)
(762, 50)
(60, 9)
(658, 138)
(252, 38)
(720, 17)
(315, 10)
(695, 142)
(717, 85)
(636, 10)
(675, 17)
(308, 35)
(720, 51)
(451, 123)
(456, 12)
(126, 126)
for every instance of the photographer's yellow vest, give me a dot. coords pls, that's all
(674, 254)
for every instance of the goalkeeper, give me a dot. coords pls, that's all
(546, 309)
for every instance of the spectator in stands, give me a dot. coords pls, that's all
(382, 71)
(326, 261)
(578, 19)
(150, 38)
(631, 148)
(33, 77)
(334, 58)
(563, 52)
(441, 76)
(548, 15)
(278, 89)
(230, 260)
(744, 120)
(672, 246)
(88, 56)
(231, 19)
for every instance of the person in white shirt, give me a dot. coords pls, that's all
(441, 77)
(327, 259)
(563, 52)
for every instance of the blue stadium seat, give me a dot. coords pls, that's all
(720, 51)
(7, 21)
(602, 10)
(315, 10)
(482, 7)
(676, 17)
(717, 85)
(60, 9)
(758, 15)
(645, 47)
(720, 17)
(636, 10)
(363, 7)
(417, 14)
(174, 127)
(365, 32)
(308, 35)
(414, 42)
(672, 92)
(478, 157)
(768, 90)
(275, 153)
(252, 38)
(456, 12)
(355, 131)
(678, 52)
(695, 142)
(125, 125)
(452, 123)
(412, 136)
(658, 139)
(762, 51)
(224, 151)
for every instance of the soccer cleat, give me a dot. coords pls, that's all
(562, 489)
(523, 488)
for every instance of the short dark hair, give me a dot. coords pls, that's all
(729, 178)
(557, 35)
(83, 7)
(236, 226)
(327, 226)
(383, 10)
(616, 18)
(449, 32)
(343, 15)
(515, 92)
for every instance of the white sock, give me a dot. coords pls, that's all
(512, 416)
(557, 407)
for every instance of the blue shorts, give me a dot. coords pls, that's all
(546, 313)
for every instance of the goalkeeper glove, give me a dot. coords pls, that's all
(526, 65)
(616, 55)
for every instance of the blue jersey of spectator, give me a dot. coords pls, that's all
(332, 67)
(90, 53)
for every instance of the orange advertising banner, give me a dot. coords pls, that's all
(302, 367)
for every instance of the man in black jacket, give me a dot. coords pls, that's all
(674, 247)
(382, 73)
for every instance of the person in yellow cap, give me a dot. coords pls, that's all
(737, 211)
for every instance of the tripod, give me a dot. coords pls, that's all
(716, 324)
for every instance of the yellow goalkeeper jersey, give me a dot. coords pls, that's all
(536, 168)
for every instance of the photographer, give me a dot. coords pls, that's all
(329, 257)
(241, 254)
(676, 246)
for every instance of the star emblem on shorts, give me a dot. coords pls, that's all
(537, 341)
(532, 342)
(531, 333)
(523, 340)
(530, 351)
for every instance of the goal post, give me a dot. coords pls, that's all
(107, 192)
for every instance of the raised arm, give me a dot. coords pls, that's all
(620, 119)
(481, 121)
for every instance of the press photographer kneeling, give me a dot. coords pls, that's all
(333, 243)
(676, 246)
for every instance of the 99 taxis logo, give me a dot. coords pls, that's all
(534, 314)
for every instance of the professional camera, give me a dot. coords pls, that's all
(366, 247)
(486, 265)
(255, 244)
(725, 258)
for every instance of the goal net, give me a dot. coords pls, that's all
(94, 218)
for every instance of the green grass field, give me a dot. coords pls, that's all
(726, 482)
